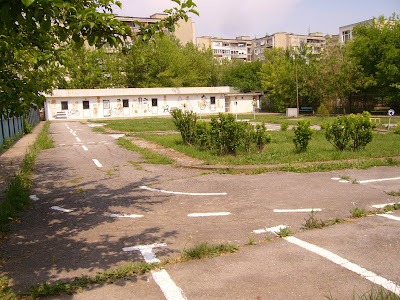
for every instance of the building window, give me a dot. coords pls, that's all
(212, 100)
(125, 103)
(64, 105)
(85, 104)
(346, 35)
(154, 102)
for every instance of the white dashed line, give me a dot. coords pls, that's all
(389, 217)
(217, 214)
(61, 209)
(78, 139)
(97, 163)
(374, 278)
(85, 148)
(73, 133)
(297, 210)
(181, 193)
(33, 198)
(125, 216)
(272, 229)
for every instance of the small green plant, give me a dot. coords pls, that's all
(251, 241)
(345, 177)
(355, 181)
(358, 213)
(27, 127)
(303, 134)
(394, 193)
(268, 238)
(202, 250)
(313, 223)
(388, 208)
(261, 137)
(284, 126)
(284, 232)
(322, 111)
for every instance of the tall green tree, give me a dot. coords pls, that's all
(32, 33)
(376, 48)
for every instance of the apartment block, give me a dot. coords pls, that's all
(238, 48)
(346, 32)
(184, 31)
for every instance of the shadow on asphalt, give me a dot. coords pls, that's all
(49, 245)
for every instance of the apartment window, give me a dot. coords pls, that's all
(226, 44)
(346, 35)
(125, 103)
(212, 100)
(64, 105)
(85, 104)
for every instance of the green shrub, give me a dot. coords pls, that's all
(358, 212)
(284, 126)
(27, 127)
(302, 135)
(322, 111)
(185, 122)
(202, 134)
(354, 131)
(261, 137)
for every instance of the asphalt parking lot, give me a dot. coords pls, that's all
(96, 203)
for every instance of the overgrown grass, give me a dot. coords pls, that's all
(313, 223)
(139, 125)
(6, 292)
(150, 157)
(204, 250)
(9, 142)
(394, 193)
(17, 194)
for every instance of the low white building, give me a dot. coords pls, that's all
(134, 102)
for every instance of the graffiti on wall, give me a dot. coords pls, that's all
(140, 106)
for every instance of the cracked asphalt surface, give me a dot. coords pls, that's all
(49, 245)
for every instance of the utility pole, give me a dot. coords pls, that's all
(297, 91)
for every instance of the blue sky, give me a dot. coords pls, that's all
(256, 18)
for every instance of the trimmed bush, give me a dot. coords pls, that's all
(302, 135)
(322, 111)
(185, 122)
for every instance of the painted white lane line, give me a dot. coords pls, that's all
(216, 214)
(378, 180)
(97, 163)
(271, 229)
(73, 133)
(170, 290)
(344, 181)
(389, 217)
(146, 251)
(374, 278)
(117, 136)
(96, 125)
(61, 209)
(125, 216)
(181, 193)
(382, 205)
(335, 178)
(33, 197)
(297, 210)
(78, 139)
(85, 148)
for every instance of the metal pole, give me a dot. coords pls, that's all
(297, 92)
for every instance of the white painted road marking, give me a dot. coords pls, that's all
(374, 278)
(146, 251)
(382, 205)
(389, 217)
(125, 216)
(170, 290)
(78, 139)
(297, 210)
(33, 197)
(97, 163)
(272, 229)
(61, 209)
(96, 125)
(181, 193)
(216, 214)
(378, 180)
(117, 136)
(85, 148)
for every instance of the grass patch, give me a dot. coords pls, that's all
(99, 129)
(76, 285)
(314, 223)
(205, 250)
(150, 157)
(284, 232)
(358, 212)
(136, 165)
(17, 194)
(394, 193)
(139, 125)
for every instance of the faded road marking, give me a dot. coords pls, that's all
(125, 216)
(85, 148)
(33, 197)
(374, 278)
(382, 205)
(146, 251)
(170, 290)
(271, 229)
(378, 180)
(61, 209)
(297, 210)
(216, 214)
(78, 139)
(181, 193)
(389, 217)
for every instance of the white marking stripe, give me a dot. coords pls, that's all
(374, 278)
(78, 139)
(181, 193)
(209, 214)
(297, 210)
(382, 205)
(146, 251)
(344, 181)
(33, 197)
(117, 136)
(170, 290)
(389, 217)
(61, 209)
(73, 133)
(377, 180)
(335, 178)
(272, 229)
(125, 216)
(85, 148)
(97, 163)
